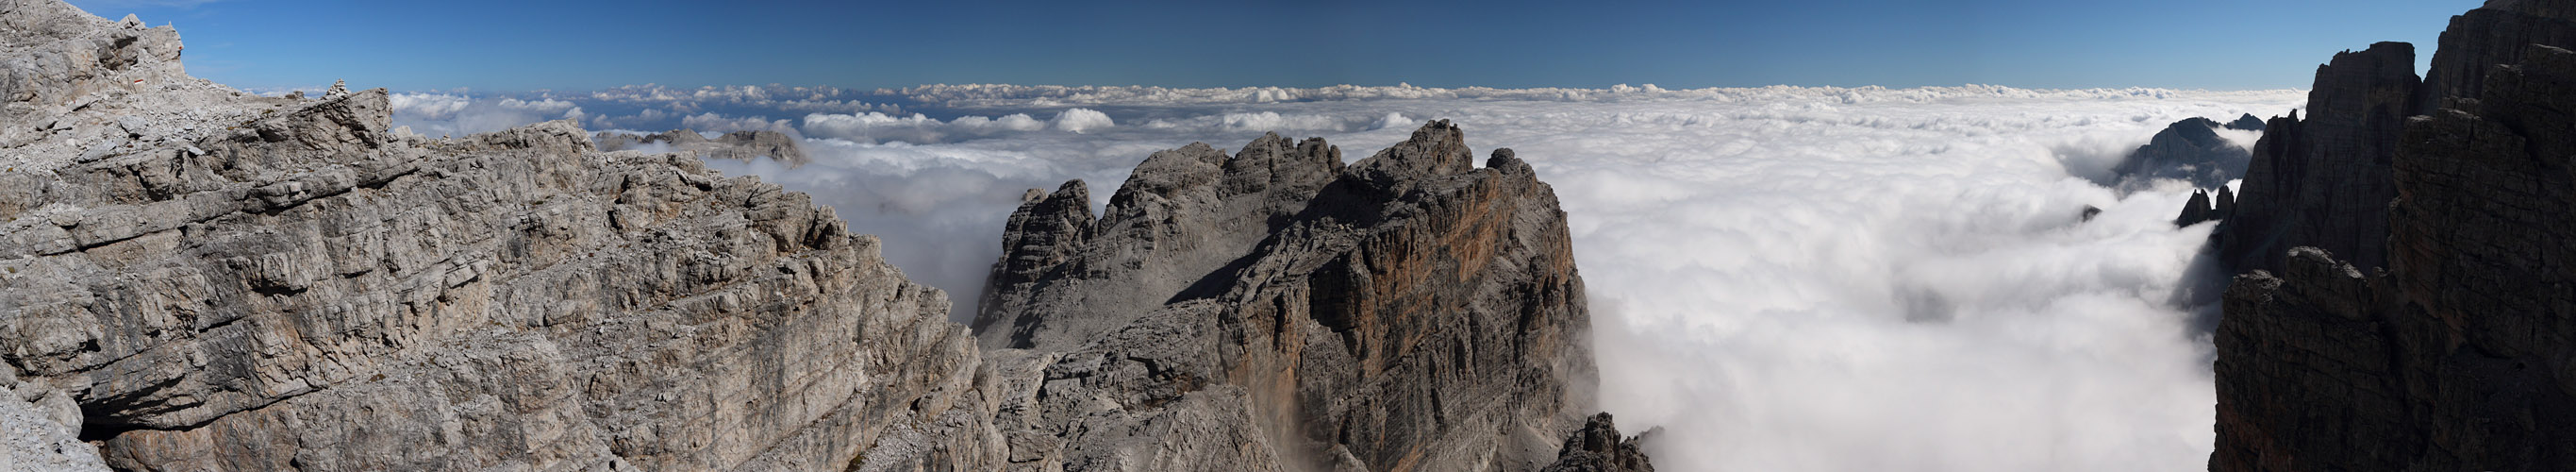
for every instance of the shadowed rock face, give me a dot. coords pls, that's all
(2247, 123)
(199, 279)
(196, 279)
(2189, 150)
(1406, 312)
(2461, 355)
(2324, 181)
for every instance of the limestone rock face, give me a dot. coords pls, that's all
(2324, 181)
(2461, 355)
(745, 145)
(1406, 312)
(197, 279)
(2189, 150)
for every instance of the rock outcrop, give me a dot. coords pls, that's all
(2189, 150)
(748, 145)
(196, 279)
(2461, 353)
(2324, 181)
(1406, 312)
(2246, 123)
(192, 278)
(1598, 447)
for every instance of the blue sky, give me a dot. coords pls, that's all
(572, 45)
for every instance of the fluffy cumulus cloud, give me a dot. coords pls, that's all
(874, 127)
(1782, 278)
(443, 114)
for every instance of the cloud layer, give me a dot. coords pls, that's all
(1782, 278)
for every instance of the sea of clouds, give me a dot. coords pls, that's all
(1782, 278)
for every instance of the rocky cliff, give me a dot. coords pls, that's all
(2323, 181)
(192, 278)
(196, 279)
(2189, 150)
(2461, 353)
(1410, 311)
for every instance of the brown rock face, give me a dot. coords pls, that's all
(1408, 312)
(2462, 355)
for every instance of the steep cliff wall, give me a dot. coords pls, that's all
(2323, 181)
(218, 281)
(192, 278)
(2461, 355)
(1407, 312)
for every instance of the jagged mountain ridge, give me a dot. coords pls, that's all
(218, 281)
(1406, 312)
(2406, 307)
(200, 279)
(2189, 150)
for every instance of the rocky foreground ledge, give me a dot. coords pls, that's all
(192, 278)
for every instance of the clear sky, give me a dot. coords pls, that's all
(570, 45)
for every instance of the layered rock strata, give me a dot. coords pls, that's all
(1410, 311)
(196, 279)
(2323, 181)
(2461, 354)
(192, 278)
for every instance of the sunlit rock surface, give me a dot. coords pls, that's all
(229, 282)
(1410, 311)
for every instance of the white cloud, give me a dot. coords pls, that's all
(1079, 119)
(873, 127)
(447, 114)
(712, 123)
(1783, 278)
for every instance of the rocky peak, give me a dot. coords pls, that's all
(2188, 150)
(2480, 39)
(2324, 180)
(1436, 149)
(2246, 123)
(1405, 313)
(2197, 210)
(1598, 447)
(201, 279)
(2453, 354)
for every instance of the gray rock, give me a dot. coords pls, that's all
(303, 289)
(2247, 123)
(1407, 312)
(299, 287)
(1598, 447)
